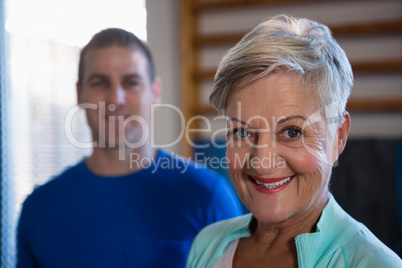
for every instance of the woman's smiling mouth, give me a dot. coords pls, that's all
(271, 186)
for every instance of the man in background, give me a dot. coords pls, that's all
(128, 204)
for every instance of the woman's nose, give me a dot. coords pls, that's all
(265, 158)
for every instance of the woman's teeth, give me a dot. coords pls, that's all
(272, 185)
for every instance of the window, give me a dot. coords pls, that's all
(43, 41)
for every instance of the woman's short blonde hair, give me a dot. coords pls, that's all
(292, 45)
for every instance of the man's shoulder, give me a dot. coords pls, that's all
(185, 168)
(66, 176)
(58, 184)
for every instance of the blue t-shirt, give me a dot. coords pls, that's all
(145, 219)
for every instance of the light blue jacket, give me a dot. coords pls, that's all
(339, 241)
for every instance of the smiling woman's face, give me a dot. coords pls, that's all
(273, 148)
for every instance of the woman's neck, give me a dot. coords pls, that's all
(274, 243)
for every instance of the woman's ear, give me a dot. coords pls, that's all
(343, 132)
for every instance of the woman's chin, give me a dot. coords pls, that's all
(271, 216)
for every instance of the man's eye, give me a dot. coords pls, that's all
(292, 133)
(133, 83)
(97, 84)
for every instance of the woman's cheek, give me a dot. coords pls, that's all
(231, 159)
(319, 142)
(237, 158)
(302, 161)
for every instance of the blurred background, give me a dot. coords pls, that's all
(39, 45)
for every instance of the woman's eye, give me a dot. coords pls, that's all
(241, 133)
(292, 133)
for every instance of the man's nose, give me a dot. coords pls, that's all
(117, 95)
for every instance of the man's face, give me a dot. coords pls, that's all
(116, 80)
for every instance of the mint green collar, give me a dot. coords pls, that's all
(333, 228)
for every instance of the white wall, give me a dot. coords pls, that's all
(163, 37)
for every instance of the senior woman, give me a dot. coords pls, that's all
(283, 90)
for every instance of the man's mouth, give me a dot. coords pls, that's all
(115, 118)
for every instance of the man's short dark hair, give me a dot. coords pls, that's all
(115, 37)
